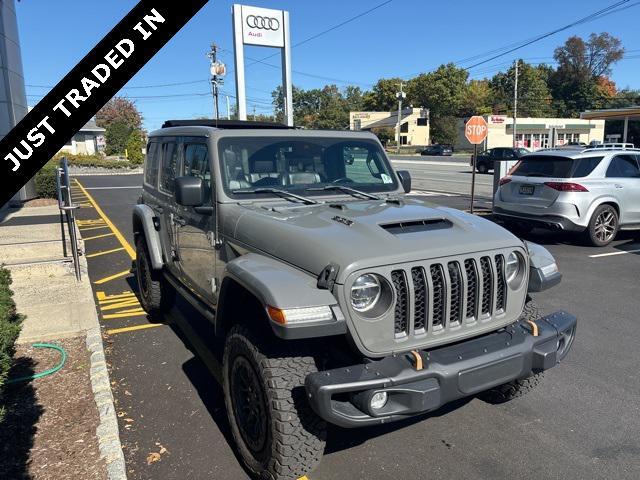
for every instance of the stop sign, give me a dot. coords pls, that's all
(476, 130)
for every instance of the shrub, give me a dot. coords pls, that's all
(10, 323)
(134, 147)
(96, 161)
(46, 181)
(117, 135)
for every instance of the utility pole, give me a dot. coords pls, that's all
(228, 108)
(218, 71)
(400, 96)
(515, 105)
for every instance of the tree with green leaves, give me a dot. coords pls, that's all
(134, 146)
(477, 99)
(534, 97)
(117, 136)
(382, 97)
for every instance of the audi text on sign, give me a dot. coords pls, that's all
(262, 26)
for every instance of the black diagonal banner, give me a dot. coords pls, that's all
(86, 88)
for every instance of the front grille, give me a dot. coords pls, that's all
(401, 307)
(487, 285)
(501, 291)
(451, 294)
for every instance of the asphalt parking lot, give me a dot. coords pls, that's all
(583, 422)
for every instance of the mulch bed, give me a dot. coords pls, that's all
(49, 425)
(40, 202)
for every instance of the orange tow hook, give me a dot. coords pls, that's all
(534, 328)
(418, 360)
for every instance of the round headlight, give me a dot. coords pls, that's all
(515, 264)
(365, 292)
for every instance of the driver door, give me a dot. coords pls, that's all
(196, 234)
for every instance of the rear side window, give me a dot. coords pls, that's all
(168, 167)
(151, 166)
(623, 166)
(555, 167)
(584, 166)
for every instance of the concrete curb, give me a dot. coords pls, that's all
(107, 431)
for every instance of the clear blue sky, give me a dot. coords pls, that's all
(401, 38)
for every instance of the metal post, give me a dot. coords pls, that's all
(60, 205)
(65, 205)
(228, 108)
(473, 175)
(625, 130)
(400, 95)
(515, 106)
(287, 88)
(238, 46)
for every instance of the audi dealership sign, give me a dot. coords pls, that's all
(262, 26)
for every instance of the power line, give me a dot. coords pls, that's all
(599, 14)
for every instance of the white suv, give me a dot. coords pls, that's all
(595, 191)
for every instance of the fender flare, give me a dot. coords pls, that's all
(277, 284)
(144, 224)
(543, 269)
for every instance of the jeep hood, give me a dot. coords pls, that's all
(361, 234)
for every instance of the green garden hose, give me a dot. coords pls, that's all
(63, 358)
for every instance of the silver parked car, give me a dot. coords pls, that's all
(595, 191)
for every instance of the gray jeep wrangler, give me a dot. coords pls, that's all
(337, 298)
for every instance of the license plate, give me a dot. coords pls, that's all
(527, 189)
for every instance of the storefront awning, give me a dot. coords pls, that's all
(625, 114)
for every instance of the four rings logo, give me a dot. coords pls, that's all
(263, 23)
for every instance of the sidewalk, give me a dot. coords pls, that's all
(58, 307)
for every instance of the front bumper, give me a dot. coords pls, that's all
(341, 396)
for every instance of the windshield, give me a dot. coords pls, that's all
(555, 167)
(296, 164)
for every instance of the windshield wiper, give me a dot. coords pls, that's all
(352, 191)
(277, 191)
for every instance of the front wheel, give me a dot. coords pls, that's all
(482, 168)
(156, 295)
(277, 434)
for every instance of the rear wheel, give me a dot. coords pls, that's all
(156, 295)
(603, 226)
(517, 388)
(277, 434)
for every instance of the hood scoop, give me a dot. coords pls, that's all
(414, 226)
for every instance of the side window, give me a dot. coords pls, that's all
(623, 166)
(168, 167)
(584, 166)
(151, 165)
(196, 164)
(487, 153)
(506, 153)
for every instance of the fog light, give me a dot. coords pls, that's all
(378, 400)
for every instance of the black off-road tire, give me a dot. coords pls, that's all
(295, 436)
(517, 388)
(156, 295)
(591, 233)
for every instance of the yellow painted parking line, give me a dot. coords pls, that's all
(123, 241)
(111, 277)
(114, 331)
(134, 312)
(105, 252)
(92, 228)
(99, 236)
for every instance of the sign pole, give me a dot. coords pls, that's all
(238, 46)
(473, 175)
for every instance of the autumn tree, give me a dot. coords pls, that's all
(580, 66)
(477, 99)
(119, 109)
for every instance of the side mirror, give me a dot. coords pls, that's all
(405, 179)
(189, 191)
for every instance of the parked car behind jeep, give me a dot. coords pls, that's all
(594, 192)
(337, 298)
(486, 158)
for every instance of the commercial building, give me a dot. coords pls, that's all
(89, 140)
(626, 115)
(414, 124)
(535, 133)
